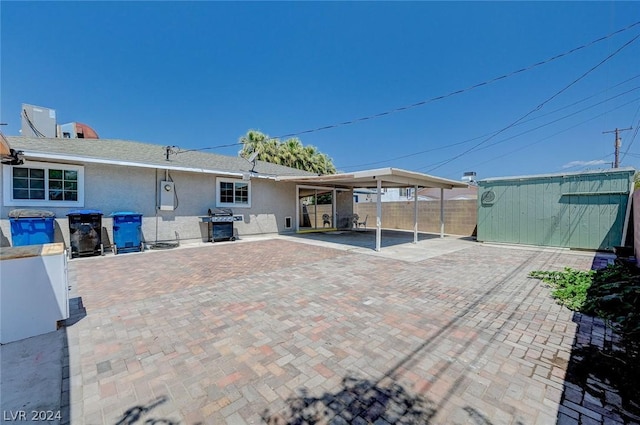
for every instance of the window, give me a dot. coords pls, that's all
(234, 193)
(63, 185)
(43, 184)
(28, 183)
(406, 191)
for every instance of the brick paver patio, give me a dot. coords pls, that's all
(279, 330)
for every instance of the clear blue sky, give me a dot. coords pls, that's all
(201, 74)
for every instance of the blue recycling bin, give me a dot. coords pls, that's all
(127, 231)
(32, 227)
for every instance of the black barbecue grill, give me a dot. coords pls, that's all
(221, 224)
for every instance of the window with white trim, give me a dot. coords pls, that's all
(43, 184)
(233, 193)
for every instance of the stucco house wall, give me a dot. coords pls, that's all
(112, 188)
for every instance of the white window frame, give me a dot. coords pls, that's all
(221, 204)
(7, 185)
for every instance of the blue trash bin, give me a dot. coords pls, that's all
(32, 227)
(127, 232)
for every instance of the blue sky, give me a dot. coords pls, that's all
(200, 74)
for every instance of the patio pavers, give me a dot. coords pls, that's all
(276, 330)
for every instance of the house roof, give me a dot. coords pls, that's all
(389, 177)
(628, 170)
(145, 155)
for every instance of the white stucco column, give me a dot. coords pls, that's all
(297, 208)
(379, 216)
(415, 214)
(334, 213)
(441, 212)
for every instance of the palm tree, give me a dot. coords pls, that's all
(270, 151)
(251, 142)
(291, 153)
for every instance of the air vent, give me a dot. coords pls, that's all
(488, 197)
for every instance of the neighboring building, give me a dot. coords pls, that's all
(172, 190)
(424, 194)
(77, 130)
(586, 210)
(392, 194)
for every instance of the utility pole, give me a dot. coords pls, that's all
(617, 143)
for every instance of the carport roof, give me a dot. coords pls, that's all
(389, 177)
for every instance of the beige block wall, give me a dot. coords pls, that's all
(316, 212)
(460, 216)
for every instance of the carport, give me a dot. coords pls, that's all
(380, 178)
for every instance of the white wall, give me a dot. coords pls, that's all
(34, 291)
(118, 188)
(391, 194)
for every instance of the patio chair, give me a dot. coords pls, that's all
(326, 219)
(362, 223)
(354, 220)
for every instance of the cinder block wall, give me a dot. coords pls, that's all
(460, 216)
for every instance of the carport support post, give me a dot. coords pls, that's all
(415, 214)
(441, 212)
(379, 215)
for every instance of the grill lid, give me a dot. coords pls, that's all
(220, 212)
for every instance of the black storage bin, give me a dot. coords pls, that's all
(85, 232)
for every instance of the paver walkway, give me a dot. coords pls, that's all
(279, 330)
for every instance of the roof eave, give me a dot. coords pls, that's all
(388, 177)
(30, 155)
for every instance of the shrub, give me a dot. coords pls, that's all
(612, 293)
(569, 287)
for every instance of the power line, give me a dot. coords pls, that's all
(433, 99)
(456, 92)
(540, 106)
(633, 138)
(209, 148)
(520, 123)
(616, 143)
(562, 118)
(635, 133)
(545, 138)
